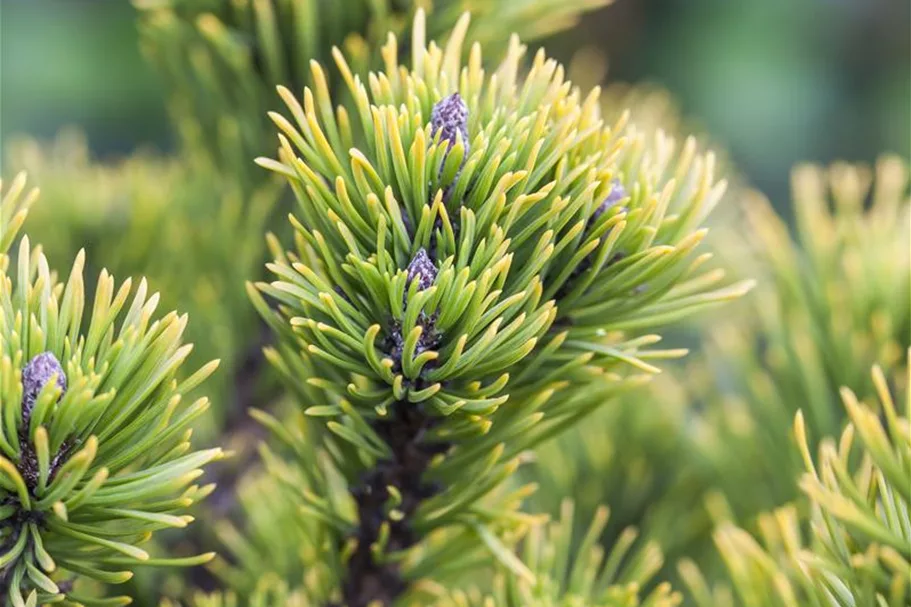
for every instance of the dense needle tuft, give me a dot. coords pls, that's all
(515, 316)
(94, 464)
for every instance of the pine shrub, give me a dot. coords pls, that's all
(438, 276)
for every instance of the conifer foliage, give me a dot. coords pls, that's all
(478, 262)
(461, 314)
(95, 452)
(135, 217)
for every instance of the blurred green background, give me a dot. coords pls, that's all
(773, 81)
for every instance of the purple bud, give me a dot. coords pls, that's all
(422, 269)
(36, 374)
(450, 116)
(617, 193)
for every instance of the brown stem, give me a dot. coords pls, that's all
(368, 582)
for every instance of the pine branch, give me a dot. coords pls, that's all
(366, 581)
(191, 232)
(482, 253)
(83, 481)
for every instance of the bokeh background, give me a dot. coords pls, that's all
(773, 82)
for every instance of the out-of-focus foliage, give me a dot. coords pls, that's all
(557, 572)
(222, 59)
(709, 441)
(563, 572)
(272, 539)
(832, 81)
(14, 208)
(833, 301)
(634, 454)
(282, 537)
(272, 591)
(856, 549)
